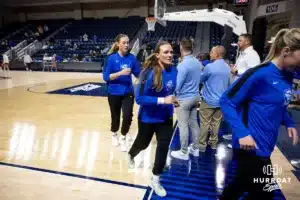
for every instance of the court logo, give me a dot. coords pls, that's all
(124, 66)
(287, 97)
(170, 85)
(272, 184)
(86, 87)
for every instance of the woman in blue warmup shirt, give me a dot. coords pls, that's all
(255, 106)
(157, 84)
(119, 66)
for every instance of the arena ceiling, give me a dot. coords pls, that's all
(20, 3)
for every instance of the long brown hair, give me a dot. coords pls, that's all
(152, 62)
(114, 48)
(285, 37)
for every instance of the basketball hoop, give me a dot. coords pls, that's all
(151, 21)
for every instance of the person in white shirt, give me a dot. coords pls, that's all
(5, 65)
(248, 57)
(67, 43)
(27, 62)
(46, 28)
(85, 37)
(75, 46)
(145, 54)
(5, 59)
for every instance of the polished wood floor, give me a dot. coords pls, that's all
(62, 132)
(22, 184)
(70, 134)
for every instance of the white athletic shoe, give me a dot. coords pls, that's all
(123, 143)
(142, 164)
(168, 161)
(194, 152)
(227, 137)
(213, 147)
(180, 155)
(114, 140)
(157, 187)
(229, 146)
(131, 163)
(296, 163)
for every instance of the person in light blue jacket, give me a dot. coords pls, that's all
(215, 78)
(187, 95)
(155, 97)
(119, 67)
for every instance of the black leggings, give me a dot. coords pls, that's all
(164, 133)
(28, 65)
(116, 103)
(250, 170)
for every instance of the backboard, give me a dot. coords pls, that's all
(160, 8)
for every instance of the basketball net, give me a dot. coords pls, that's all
(151, 21)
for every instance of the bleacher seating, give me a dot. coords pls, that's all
(104, 29)
(5, 40)
(173, 32)
(30, 28)
(10, 28)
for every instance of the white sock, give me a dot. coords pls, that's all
(155, 178)
(123, 137)
(114, 133)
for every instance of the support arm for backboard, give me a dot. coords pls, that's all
(219, 16)
(159, 11)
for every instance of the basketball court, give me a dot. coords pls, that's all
(59, 146)
(55, 143)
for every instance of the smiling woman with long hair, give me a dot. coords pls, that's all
(119, 67)
(154, 95)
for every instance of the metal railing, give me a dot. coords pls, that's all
(140, 35)
(30, 49)
(12, 52)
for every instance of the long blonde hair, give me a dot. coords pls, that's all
(152, 62)
(114, 48)
(285, 37)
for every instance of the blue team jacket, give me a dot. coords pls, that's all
(123, 84)
(147, 96)
(256, 105)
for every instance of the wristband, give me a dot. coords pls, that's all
(160, 100)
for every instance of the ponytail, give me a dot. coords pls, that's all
(152, 62)
(276, 46)
(157, 82)
(114, 48)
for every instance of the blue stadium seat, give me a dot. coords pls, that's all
(105, 29)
